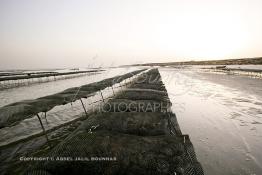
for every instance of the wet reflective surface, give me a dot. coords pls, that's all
(23, 139)
(34, 91)
(59, 115)
(222, 115)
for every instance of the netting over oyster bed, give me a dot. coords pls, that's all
(16, 112)
(142, 138)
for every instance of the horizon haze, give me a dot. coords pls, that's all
(92, 33)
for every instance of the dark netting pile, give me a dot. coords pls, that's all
(133, 133)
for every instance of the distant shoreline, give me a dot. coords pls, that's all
(241, 61)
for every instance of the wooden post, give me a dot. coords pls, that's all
(43, 129)
(84, 107)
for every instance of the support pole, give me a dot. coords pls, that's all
(102, 96)
(83, 107)
(43, 129)
(168, 122)
(46, 118)
(113, 90)
(121, 87)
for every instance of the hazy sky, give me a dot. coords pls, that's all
(73, 33)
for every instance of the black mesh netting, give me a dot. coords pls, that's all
(126, 139)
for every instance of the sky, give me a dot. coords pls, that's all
(91, 33)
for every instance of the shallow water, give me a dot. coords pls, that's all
(222, 115)
(59, 115)
(61, 121)
(34, 91)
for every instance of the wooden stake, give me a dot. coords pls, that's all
(83, 107)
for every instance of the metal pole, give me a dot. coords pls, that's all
(168, 122)
(43, 128)
(46, 118)
(83, 107)
(102, 96)
(113, 90)
(121, 87)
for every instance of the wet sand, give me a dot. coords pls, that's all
(223, 116)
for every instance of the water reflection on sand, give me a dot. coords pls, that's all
(223, 116)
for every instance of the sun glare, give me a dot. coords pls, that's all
(198, 37)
